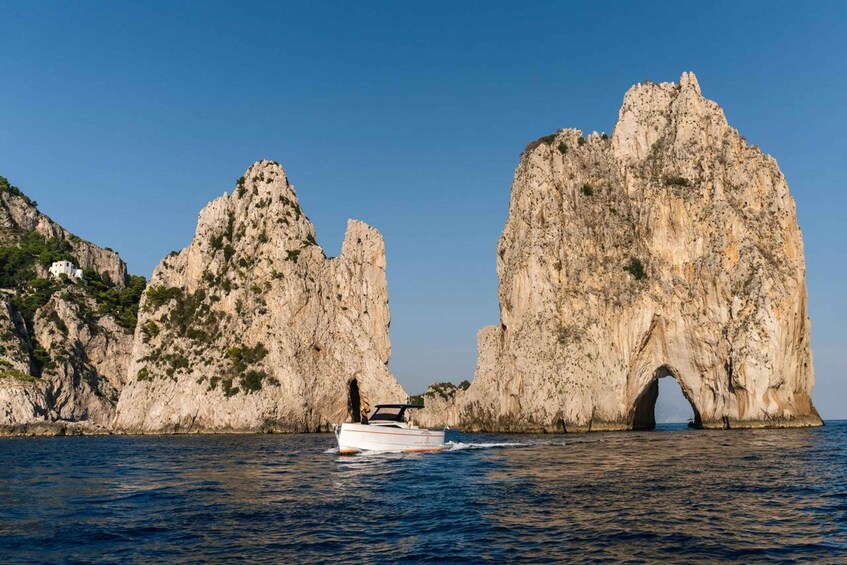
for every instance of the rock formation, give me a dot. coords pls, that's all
(442, 402)
(64, 344)
(251, 327)
(19, 216)
(670, 249)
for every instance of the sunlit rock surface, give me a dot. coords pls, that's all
(252, 328)
(670, 248)
(63, 355)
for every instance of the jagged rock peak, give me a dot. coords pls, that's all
(688, 80)
(280, 337)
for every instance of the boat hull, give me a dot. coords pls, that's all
(353, 438)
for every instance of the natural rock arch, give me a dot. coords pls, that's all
(643, 412)
(672, 241)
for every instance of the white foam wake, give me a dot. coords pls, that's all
(460, 445)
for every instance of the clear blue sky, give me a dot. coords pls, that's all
(124, 119)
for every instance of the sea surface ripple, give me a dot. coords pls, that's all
(673, 494)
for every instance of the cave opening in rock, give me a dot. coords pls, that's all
(672, 408)
(354, 401)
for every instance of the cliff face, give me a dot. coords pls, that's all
(251, 327)
(64, 345)
(19, 215)
(670, 249)
(66, 371)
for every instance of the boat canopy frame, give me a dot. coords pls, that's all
(392, 417)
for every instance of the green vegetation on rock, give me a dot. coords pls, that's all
(677, 181)
(121, 304)
(18, 261)
(546, 140)
(636, 268)
(158, 296)
(445, 390)
(27, 253)
(242, 357)
(15, 191)
(15, 374)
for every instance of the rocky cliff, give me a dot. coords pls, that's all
(669, 249)
(64, 344)
(442, 403)
(251, 327)
(19, 216)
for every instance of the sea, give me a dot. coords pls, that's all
(673, 494)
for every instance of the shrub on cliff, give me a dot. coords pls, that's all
(251, 381)
(636, 268)
(158, 296)
(17, 262)
(445, 390)
(15, 374)
(546, 140)
(121, 304)
(243, 357)
(15, 191)
(677, 181)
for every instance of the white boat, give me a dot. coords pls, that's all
(387, 430)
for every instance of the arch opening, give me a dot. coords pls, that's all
(644, 411)
(354, 401)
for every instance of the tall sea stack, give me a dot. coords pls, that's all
(670, 248)
(252, 328)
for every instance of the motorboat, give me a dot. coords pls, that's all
(388, 429)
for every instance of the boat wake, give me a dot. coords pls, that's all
(460, 446)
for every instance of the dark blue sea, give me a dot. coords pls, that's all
(673, 494)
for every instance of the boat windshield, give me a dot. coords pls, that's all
(388, 414)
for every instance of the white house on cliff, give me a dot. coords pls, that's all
(67, 268)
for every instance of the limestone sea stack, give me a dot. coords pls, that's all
(669, 249)
(252, 328)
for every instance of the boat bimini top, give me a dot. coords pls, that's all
(391, 414)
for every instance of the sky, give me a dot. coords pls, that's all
(123, 119)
